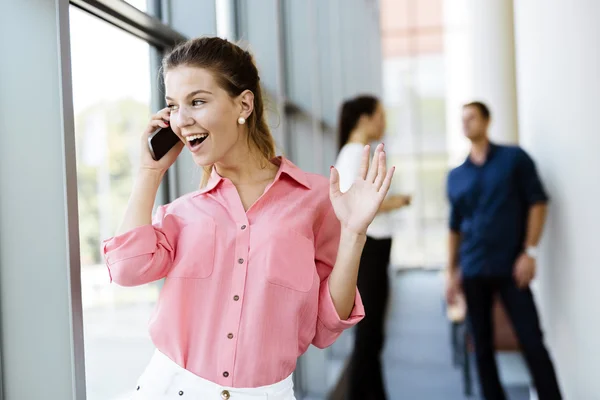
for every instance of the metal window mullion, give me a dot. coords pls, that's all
(315, 80)
(132, 20)
(281, 89)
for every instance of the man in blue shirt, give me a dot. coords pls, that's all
(498, 209)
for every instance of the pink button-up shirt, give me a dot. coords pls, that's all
(246, 292)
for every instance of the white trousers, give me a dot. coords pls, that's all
(163, 379)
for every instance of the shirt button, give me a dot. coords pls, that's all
(240, 261)
(243, 227)
(230, 336)
(236, 297)
(225, 395)
(225, 374)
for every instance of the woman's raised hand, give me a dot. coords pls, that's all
(357, 207)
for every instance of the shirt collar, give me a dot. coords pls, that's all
(291, 170)
(212, 183)
(492, 147)
(285, 167)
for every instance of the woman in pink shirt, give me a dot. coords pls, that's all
(259, 263)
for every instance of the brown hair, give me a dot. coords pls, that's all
(235, 71)
(483, 109)
(350, 114)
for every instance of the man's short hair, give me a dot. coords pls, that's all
(483, 109)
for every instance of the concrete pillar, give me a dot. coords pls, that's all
(40, 285)
(480, 60)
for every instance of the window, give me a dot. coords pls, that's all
(112, 97)
(414, 94)
(298, 35)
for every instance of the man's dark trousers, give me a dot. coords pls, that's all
(521, 310)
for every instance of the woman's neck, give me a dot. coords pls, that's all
(359, 136)
(246, 167)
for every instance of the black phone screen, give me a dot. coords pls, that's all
(161, 141)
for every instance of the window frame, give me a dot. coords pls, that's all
(143, 25)
(151, 27)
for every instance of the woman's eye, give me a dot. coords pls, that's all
(171, 106)
(197, 102)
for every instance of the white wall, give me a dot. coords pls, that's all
(480, 65)
(558, 75)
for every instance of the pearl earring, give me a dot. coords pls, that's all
(241, 120)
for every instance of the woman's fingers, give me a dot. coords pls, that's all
(374, 164)
(381, 171)
(154, 124)
(163, 117)
(387, 182)
(158, 120)
(165, 113)
(364, 163)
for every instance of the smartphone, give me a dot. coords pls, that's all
(161, 141)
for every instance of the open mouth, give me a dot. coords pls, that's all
(196, 140)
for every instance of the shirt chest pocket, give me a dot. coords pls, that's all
(195, 252)
(290, 261)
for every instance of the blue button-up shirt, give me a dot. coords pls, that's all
(489, 206)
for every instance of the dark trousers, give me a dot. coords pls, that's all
(365, 375)
(521, 310)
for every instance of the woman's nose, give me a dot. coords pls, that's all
(183, 119)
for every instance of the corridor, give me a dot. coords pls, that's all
(417, 358)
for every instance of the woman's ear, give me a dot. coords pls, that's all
(246, 99)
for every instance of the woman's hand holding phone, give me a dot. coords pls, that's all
(159, 120)
(149, 177)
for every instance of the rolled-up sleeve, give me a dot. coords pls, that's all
(329, 324)
(529, 181)
(455, 218)
(141, 255)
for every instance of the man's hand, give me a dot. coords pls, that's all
(453, 286)
(400, 200)
(524, 270)
(394, 202)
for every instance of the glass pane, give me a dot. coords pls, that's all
(299, 56)
(111, 88)
(414, 94)
(302, 143)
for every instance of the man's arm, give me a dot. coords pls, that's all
(454, 239)
(453, 246)
(455, 222)
(394, 202)
(535, 224)
(535, 197)
(453, 269)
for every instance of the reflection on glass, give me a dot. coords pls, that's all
(141, 5)
(111, 89)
